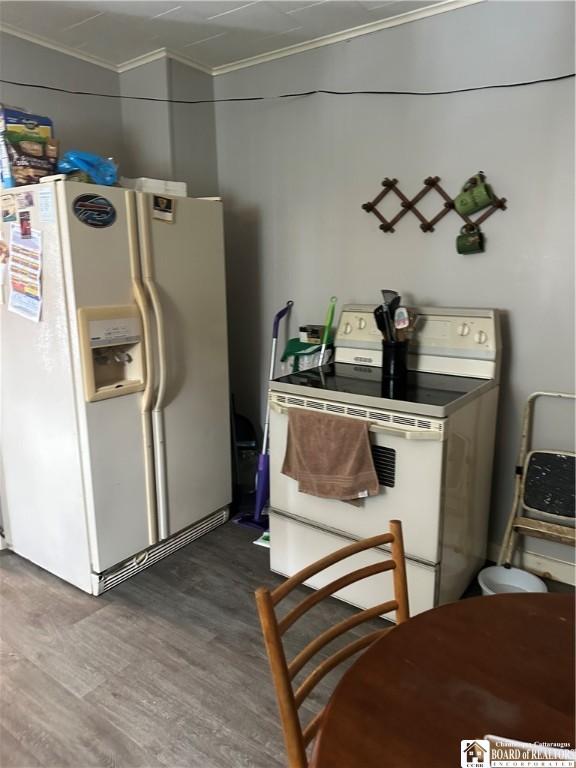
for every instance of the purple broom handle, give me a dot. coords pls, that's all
(279, 316)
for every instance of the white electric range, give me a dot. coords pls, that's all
(432, 444)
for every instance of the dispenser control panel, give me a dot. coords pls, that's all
(117, 330)
(112, 353)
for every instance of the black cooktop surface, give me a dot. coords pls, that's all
(422, 388)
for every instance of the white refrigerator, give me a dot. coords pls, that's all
(115, 439)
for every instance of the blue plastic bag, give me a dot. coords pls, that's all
(99, 169)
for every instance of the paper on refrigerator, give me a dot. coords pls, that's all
(46, 210)
(3, 266)
(25, 274)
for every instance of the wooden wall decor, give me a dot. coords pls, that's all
(406, 205)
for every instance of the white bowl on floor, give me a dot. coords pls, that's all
(496, 580)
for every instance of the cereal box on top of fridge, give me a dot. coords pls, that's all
(28, 150)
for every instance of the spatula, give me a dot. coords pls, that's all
(401, 318)
(388, 297)
(379, 316)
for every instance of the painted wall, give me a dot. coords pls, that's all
(170, 141)
(193, 130)
(146, 125)
(293, 174)
(164, 141)
(80, 122)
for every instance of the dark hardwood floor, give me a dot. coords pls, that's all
(167, 669)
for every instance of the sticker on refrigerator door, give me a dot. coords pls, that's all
(24, 273)
(8, 208)
(25, 223)
(24, 200)
(163, 208)
(94, 211)
(4, 253)
(46, 212)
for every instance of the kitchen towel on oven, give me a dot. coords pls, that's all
(330, 456)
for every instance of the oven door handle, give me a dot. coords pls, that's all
(407, 434)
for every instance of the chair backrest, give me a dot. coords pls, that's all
(284, 672)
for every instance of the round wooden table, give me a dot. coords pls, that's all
(501, 665)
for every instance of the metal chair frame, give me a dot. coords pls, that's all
(518, 523)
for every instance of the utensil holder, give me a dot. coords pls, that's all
(394, 360)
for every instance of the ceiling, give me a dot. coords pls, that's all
(213, 34)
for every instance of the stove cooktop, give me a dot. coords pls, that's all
(432, 393)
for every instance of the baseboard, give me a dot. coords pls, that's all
(542, 565)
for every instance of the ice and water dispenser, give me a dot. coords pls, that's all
(112, 354)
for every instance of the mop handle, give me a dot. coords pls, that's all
(279, 315)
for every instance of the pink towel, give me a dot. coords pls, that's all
(330, 456)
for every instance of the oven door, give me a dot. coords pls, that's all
(409, 463)
(295, 544)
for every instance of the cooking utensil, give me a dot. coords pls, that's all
(401, 318)
(381, 321)
(394, 304)
(388, 296)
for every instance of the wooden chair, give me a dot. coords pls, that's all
(284, 672)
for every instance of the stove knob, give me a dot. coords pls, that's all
(481, 337)
(464, 329)
(361, 323)
(347, 328)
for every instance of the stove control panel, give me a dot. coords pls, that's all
(357, 327)
(470, 338)
(451, 336)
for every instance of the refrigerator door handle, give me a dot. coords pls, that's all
(146, 403)
(157, 412)
(157, 409)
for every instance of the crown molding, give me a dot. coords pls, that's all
(139, 61)
(319, 42)
(347, 34)
(162, 53)
(74, 52)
